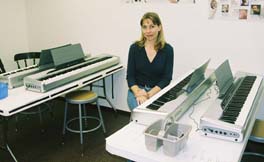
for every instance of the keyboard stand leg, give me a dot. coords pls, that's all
(112, 80)
(105, 96)
(6, 146)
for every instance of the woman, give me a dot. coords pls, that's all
(150, 62)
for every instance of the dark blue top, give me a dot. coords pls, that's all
(140, 71)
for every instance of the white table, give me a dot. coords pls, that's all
(129, 142)
(19, 99)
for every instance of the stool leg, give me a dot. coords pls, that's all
(40, 118)
(85, 114)
(16, 129)
(50, 105)
(81, 129)
(64, 121)
(100, 115)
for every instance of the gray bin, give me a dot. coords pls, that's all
(152, 141)
(174, 139)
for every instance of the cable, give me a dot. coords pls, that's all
(195, 122)
(216, 88)
(193, 107)
(208, 97)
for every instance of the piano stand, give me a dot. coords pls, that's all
(104, 92)
(6, 146)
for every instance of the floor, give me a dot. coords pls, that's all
(31, 144)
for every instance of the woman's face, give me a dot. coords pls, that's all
(149, 30)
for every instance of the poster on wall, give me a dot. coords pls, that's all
(249, 10)
(157, 1)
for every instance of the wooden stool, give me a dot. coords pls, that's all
(82, 97)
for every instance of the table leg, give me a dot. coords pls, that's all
(6, 146)
(105, 96)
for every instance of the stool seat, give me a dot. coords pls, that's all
(257, 133)
(82, 97)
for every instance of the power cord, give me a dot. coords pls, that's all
(193, 108)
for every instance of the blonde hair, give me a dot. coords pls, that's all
(160, 42)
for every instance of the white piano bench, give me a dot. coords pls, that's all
(82, 97)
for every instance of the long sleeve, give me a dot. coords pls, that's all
(131, 67)
(167, 75)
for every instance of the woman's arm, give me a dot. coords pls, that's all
(166, 77)
(131, 67)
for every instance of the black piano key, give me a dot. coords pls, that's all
(158, 103)
(232, 108)
(228, 120)
(231, 114)
(239, 98)
(153, 107)
(163, 99)
(172, 94)
(168, 96)
(233, 105)
(236, 104)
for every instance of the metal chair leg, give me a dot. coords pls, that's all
(101, 117)
(64, 122)
(81, 129)
(85, 114)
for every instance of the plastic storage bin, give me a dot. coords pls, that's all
(173, 140)
(3, 90)
(152, 141)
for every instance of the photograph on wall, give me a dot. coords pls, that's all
(158, 1)
(250, 10)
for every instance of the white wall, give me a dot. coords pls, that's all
(110, 27)
(13, 31)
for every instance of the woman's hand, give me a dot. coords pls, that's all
(141, 99)
(141, 92)
(153, 91)
(138, 91)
